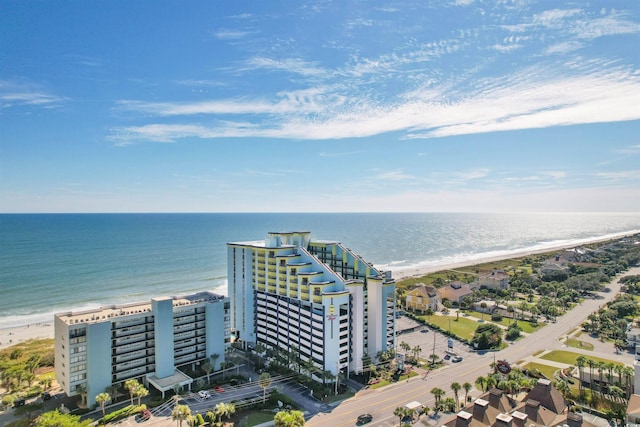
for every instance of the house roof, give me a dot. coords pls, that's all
(426, 291)
(495, 274)
(455, 290)
(548, 396)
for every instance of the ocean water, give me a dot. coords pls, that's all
(58, 262)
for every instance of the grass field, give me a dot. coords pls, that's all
(464, 327)
(547, 370)
(572, 342)
(570, 357)
(526, 326)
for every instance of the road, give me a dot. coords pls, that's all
(382, 402)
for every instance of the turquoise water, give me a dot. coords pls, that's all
(58, 262)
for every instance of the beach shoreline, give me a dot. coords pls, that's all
(13, 335)
(400, 273)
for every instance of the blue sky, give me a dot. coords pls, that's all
(323, 106)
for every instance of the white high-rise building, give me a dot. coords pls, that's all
(96, 349)
(315, 296)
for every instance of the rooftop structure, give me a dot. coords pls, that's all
(96, 349)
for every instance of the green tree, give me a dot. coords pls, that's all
(102, 399)
(467, 388)
(264, 381)
(131, 386)
(291, 418)
(207, 367)
(400, 412)
(481, 382)
(456, 387)
(57, 419)
(141, 391)
(180, 413)
(437, 394)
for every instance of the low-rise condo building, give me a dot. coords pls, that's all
(292, 292)
(97, 349)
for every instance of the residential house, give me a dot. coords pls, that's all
(422, 298)
(496, 279)
(454, 292)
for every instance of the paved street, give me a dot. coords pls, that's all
(381, 402)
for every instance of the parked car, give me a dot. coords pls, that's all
(218, 389)
(424, 330)
(456, 359)
(46, 395)
(18, 402)
(146, 414)
(204, 394)
(364, 419)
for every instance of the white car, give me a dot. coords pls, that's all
(204, 394)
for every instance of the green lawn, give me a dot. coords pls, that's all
(547, 370)
(525, 325)
(463, 327)
(570, 357)
(572, 342)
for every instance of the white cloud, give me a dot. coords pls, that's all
(226, 34)
(396, 175)
(17, 94)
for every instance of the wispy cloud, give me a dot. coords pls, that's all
(396, 175)
(226, 34)
(632, 149)
(533, 98)
(13, 94)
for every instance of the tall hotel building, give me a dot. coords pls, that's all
(315, 296)
(148, 341)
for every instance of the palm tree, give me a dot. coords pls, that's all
(467, 388)
(405, 347)
(437, 394)
(481, 382)
(221, 410)
(434, 359)
(372, 370)
(211, 417)
(113, 392)
(207, 368)
(591, 364)
(264, 381)
(400, 412)
(141, 392)
(180, 413)
(416, 353)
(492, 381)
(580, 364)
(214, 358)
(289, 419)
(455, 386)
(601, 368)
(102, 399)
(628, 373)
(82, 391)
(131, 386)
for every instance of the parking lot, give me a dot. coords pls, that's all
(429, 341)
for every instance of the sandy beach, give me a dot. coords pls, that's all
(14, 335)
(18, 334)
